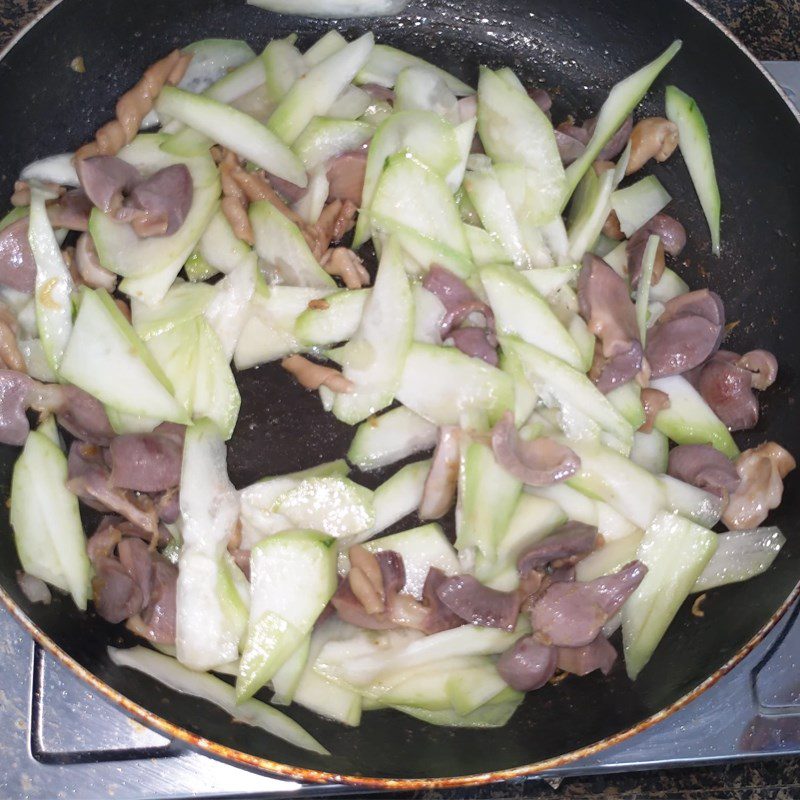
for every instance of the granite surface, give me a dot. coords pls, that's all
(771, 29)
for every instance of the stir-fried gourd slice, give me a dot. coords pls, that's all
(740, 555)
(650, 451)
(520, 311)
(106, 358)
(399, 496)
(325, 138)
(48, 531)
(54, 284)
(569, 389)
(281, 244)
(689, 420)
(205, 635)
(696, 151)
(336, 320)
(183, 302)
(444, 385)
(292, 577)
(675, 551)
(375, 356)
(487, 496)
(226, 313)
(515, 130)
(385, 63)
(392, 436)
(168, 671)
(233, 129)
(269, 331)
(609, 476)
(313, 95)
(423, 134)
(622, 99)
(639, 202)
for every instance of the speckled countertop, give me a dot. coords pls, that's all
(771, 29)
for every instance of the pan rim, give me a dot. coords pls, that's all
(265, 765)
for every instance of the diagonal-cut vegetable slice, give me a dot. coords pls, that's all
(375, 356)
(168, 671)
(313, 94)
(233, 129)
(696, 151)
(622, 99)
(106, 358)
(54, 285)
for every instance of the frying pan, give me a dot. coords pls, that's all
(577, 50)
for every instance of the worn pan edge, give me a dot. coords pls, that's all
(246, 760)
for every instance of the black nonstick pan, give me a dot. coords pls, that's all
(577, 50)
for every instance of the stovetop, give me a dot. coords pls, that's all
(59, 739)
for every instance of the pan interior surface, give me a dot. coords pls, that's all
(576, 50)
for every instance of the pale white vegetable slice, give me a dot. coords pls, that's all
(321, 696)
(333, 505)
(233, 129)
(385, 63)
(44, 515)
(444, 385)
(609, 558)
(689, 501)
(212, 59)
(220, 247)
(519, 310)
(283, 65)
(636, 204)
(340, 9)
(313, 94)
(280, 243)
(336, 322)
(204, 634)
(226, 313)
(514, 129)
(168, 671)
(497, 216)
(292, 577)
(106, 358)
(650, 451)
(615, 479)
(325, 138)
(286, 680)
(689, 419)
(569, 389)
(422, 89)
(400, 495)
(58, 169)
(431, 140)
(622, 99)
(675, 552)
(740, 555)
(410, 195)
(487, 496)
(411, 652)
(184, 301)
(332, 42)
(269, 332)
(696, 151)
(392, 436)
(590, 208)
(376, 354)
(54, 284)
(643, 289)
